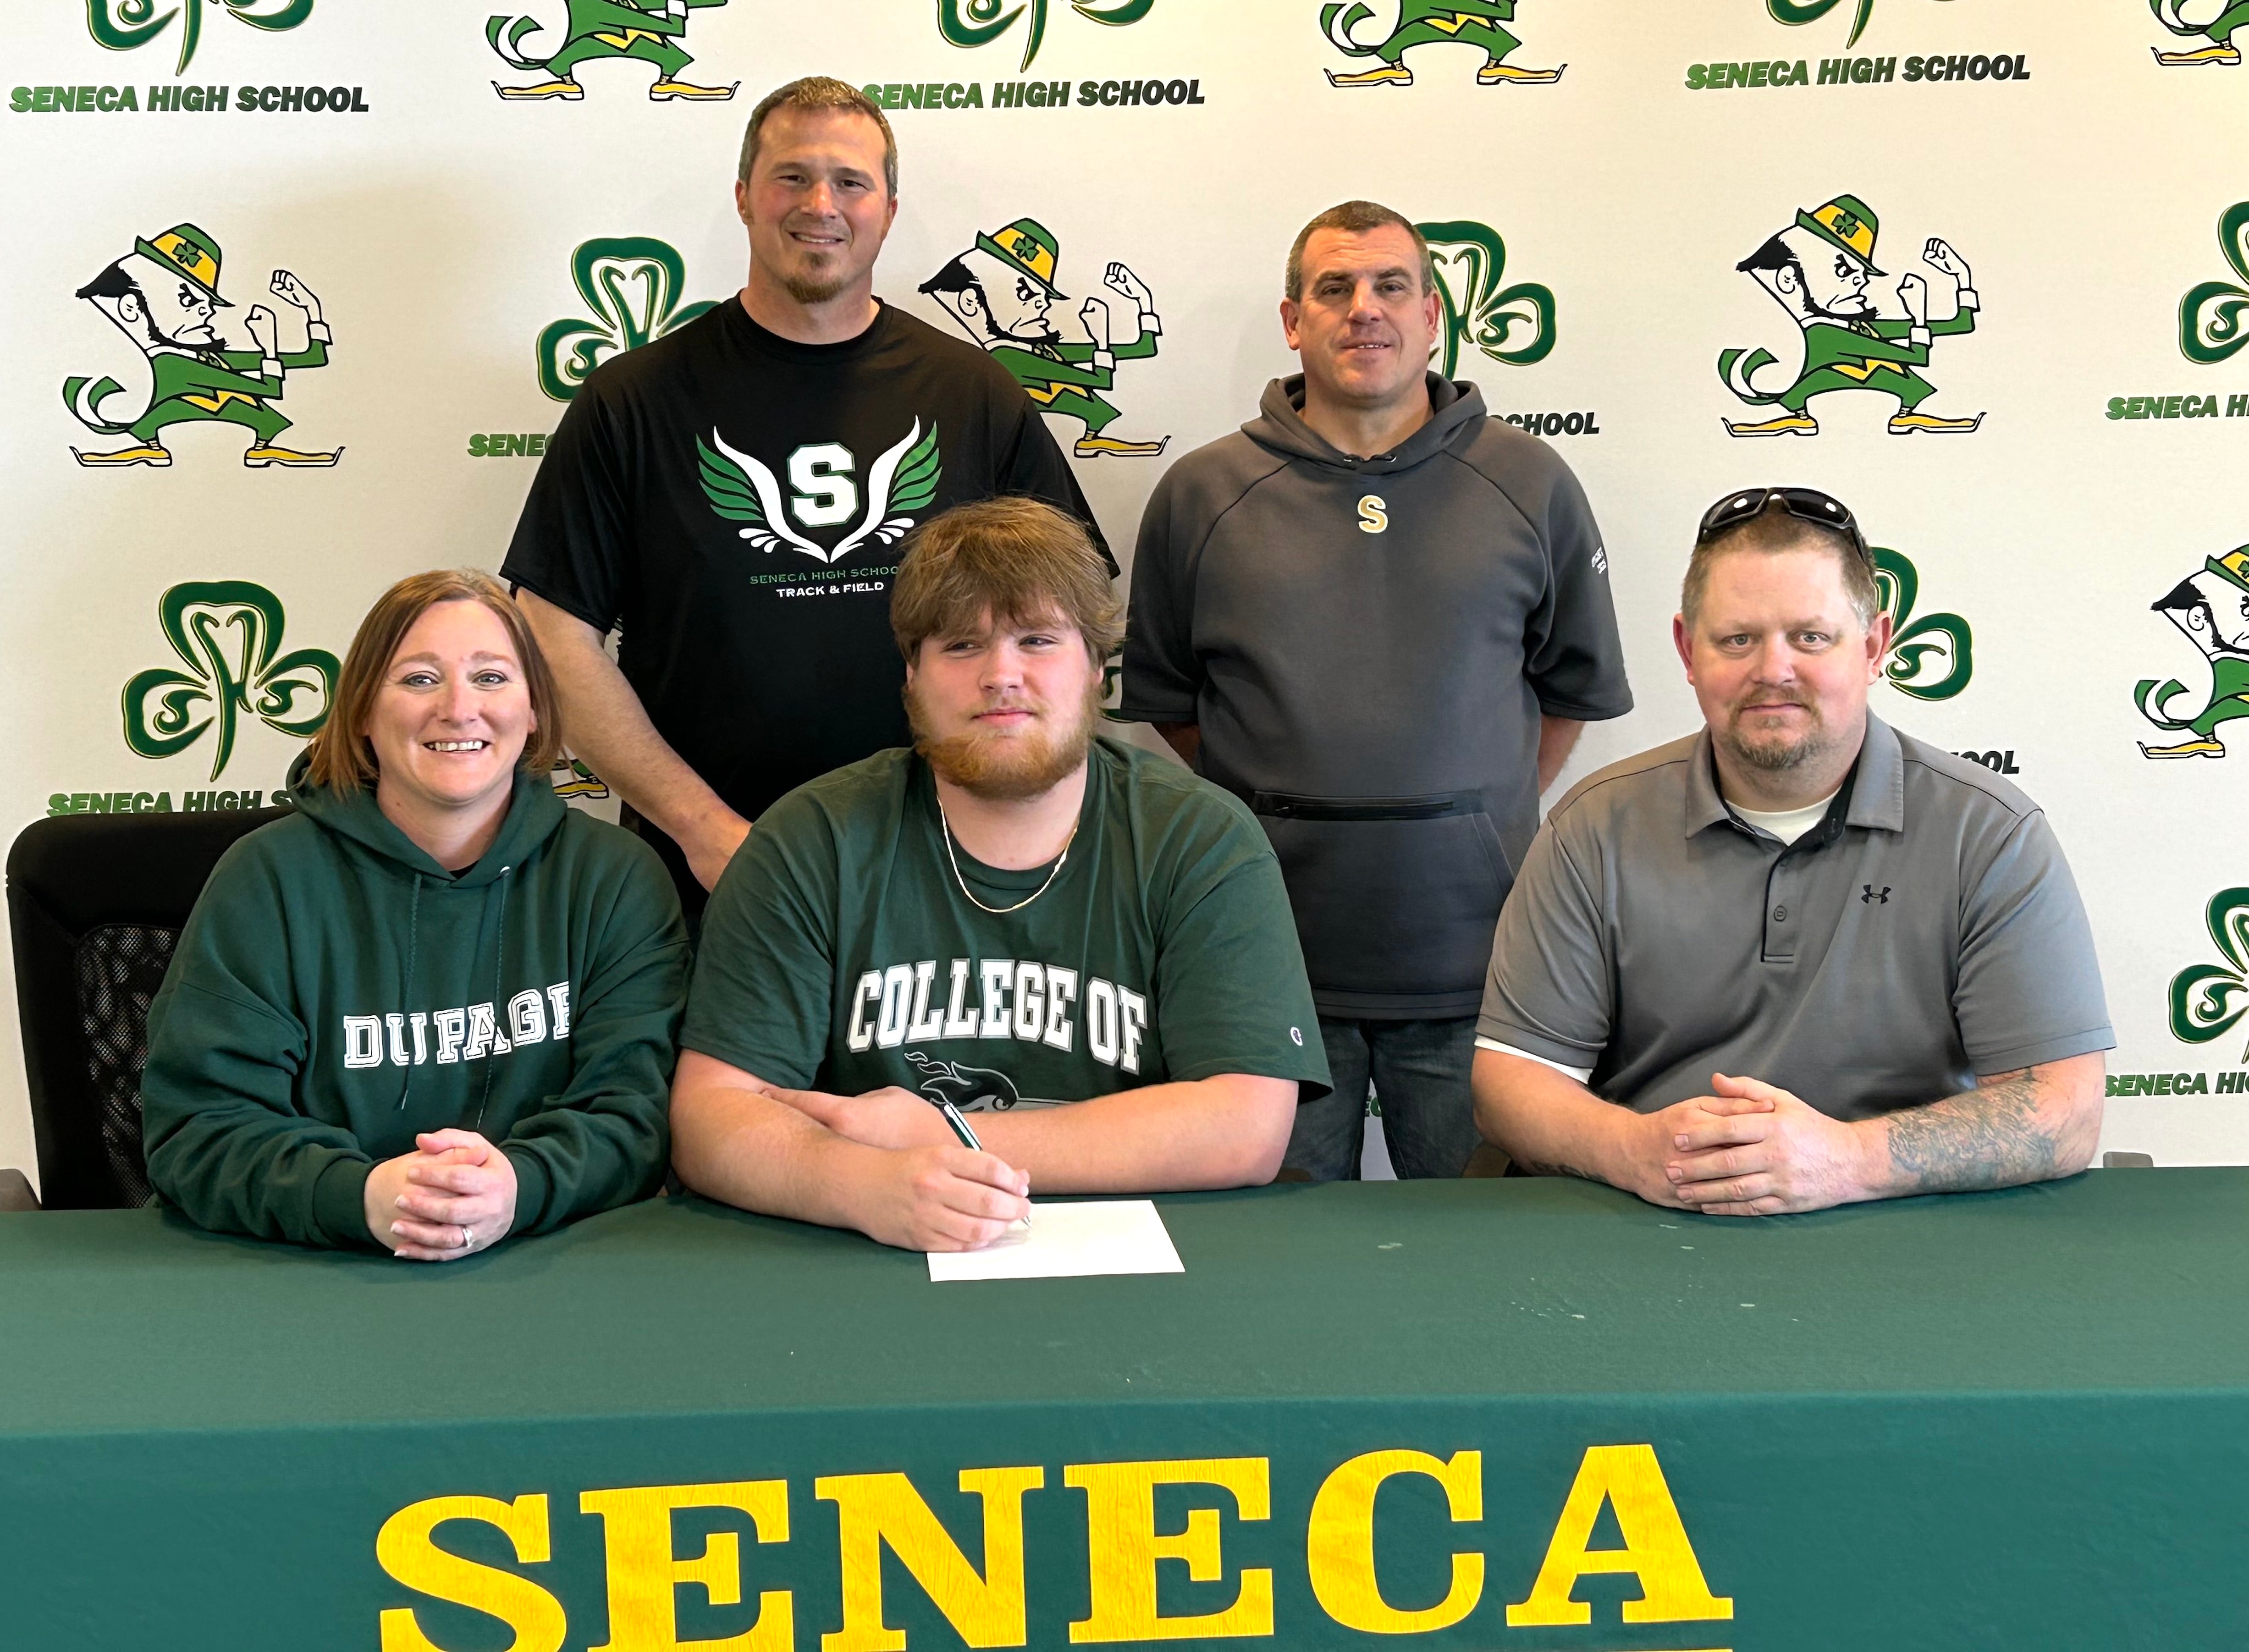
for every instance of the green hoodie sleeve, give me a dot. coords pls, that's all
(224, 1140)
(606, 1140)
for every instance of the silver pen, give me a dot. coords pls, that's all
(968, 1139)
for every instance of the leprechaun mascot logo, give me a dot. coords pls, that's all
(650, 31)
(571, 778)
(2212, 607)
(2213, 21)
(164, 296)
(1818, 269)
(1001, 293)
(1480, 23)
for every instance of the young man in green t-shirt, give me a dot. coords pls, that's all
(1013, 916)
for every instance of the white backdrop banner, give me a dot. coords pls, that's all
(1648, 217)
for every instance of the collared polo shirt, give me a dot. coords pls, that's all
(1925, 932)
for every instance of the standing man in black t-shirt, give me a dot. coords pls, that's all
(733, 495)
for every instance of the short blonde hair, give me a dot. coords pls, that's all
(1017, 560)
(814, 93)
(342, 758)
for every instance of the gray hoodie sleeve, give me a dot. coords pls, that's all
(1163, 679)
(1573, 656)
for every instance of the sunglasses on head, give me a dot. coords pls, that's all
(1807, 504)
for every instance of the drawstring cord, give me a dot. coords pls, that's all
(413, 942)
(499, 974)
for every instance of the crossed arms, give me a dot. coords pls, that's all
(886, 1164)
(1752, 1149)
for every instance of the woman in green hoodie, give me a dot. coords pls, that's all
(435, 1007)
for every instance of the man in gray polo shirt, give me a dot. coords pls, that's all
(1796, 960)
(1380, 617)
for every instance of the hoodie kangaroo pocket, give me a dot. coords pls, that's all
(1393, 894)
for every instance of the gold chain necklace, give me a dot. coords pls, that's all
(945, 830)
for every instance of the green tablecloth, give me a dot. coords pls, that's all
(2011, 1419)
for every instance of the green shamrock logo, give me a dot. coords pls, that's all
(227, 632)
(123, 24)
(1797, 13)
(2211, 314)
(1471, 260)
(977, 23)
(1931, 657)
(2207, 999)
(632, 284)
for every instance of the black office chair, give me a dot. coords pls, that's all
(96, 903)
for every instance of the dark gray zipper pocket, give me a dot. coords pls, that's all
(1290, 806)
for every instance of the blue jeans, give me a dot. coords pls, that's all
(1419, 1069)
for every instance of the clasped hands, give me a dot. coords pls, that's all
(925, 1192)
(1751, 1149)
(452, 1195)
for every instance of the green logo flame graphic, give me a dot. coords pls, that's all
(1471, 261)
(978, 22)
(121, 25)
(228, 633)
(2207, 999)
(2211, 314)
(632, 285)
(1931, 657)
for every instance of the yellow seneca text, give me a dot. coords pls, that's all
(407, 1549)
(1123, 1547)
(1339, 1542)
(644, 1574)
(985, 1609)
(1630, 1480)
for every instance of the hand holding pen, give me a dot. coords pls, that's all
(953, 1116)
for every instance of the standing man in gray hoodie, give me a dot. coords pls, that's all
(1380, 617)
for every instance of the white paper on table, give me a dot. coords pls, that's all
(1066, 1241)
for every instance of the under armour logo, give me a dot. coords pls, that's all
(1872, 895)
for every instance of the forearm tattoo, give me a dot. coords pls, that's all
(1995, 1136)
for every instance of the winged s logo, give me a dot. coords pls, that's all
(741, 488)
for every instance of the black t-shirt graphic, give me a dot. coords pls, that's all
(734, 501)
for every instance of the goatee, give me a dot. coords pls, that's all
(1778, 753)
(806, 290)
(1006, 769)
